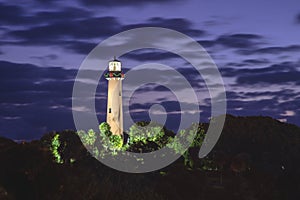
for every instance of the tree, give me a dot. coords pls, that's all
(194, 136)
(55, 146)
(146, 137)
(104, 128)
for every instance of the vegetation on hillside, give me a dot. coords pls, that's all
(255, 158)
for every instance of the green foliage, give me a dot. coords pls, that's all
(89, 138)
(103, 143)
(188, 162)
(54, 148)
(143, 137)
(136, 134)
(199, 137)
(139, 132)
(208, 164)
(163, 173)
(95, 152)
(104, 128)
(193, 136)
(116, 141)
(175, 143)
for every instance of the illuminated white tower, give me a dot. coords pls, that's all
(114, 98)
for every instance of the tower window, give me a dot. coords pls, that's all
(109, 110)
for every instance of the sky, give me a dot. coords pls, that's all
(255, 45)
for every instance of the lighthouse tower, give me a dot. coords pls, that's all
(114, 115)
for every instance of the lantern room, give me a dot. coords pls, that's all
(114, 65)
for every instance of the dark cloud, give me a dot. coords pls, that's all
(147, 88)
(248, 44)
(29, 96)
(157, 75)
(70, 32)
(275, 69)
(65, 14)
(256, 61)
(12, 15)
(78, 46)
(46, 1)
(17, 15)
(270, 78)
(254, 105)
(15, 72)
(169, 106)
(207, 43)
(178, 24)
(77, 29)
(140, 112)
(281, 94)
(270, 50)
(114, 3)
(298, 19)
(265, 103)
(271, 103)
(234, 41)
(47, 57)
(150, 55)
(35, 100)
(244, 41)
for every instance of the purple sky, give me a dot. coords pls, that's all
(255, 44)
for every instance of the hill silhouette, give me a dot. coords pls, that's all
(255, 158)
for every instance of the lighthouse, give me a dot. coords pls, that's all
(114, 115)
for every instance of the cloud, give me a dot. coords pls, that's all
(274, 68)
(108, 3)
(264, 102)
(288, 113)
(249, 63)
(256, 61)
(47, 57)
(284, 73)
(285, 95)
(72, 31)
(12, 15)
(298, 19)
(248, 44)
(170, 106)
(244, 41)
(64, 14)
(17, 15)
(79, 47)
(234, 41)
(271, 50)
(77, 29)
(36, 100)
(150, 55)
(178, 24)
(46, 1)
(270, 78)
(16, 72)
(207, 43)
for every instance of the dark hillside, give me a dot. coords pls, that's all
(255, 158)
